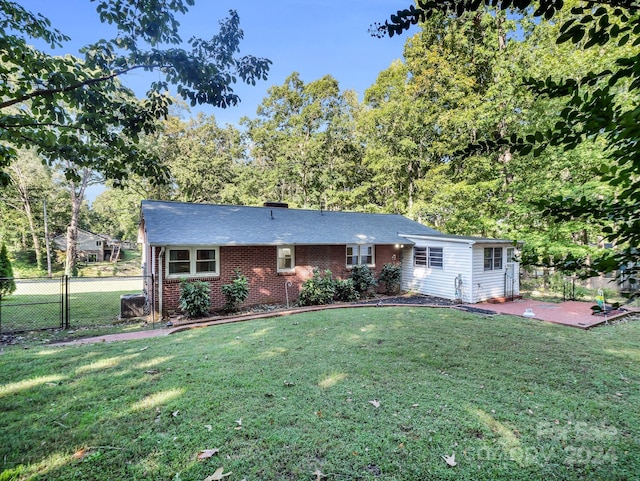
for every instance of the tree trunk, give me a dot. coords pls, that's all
(77, 196)
(22, 187)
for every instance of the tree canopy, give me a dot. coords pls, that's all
(76, 109)
(600, 104)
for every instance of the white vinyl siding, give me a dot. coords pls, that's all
(463, 266)
(430, 267)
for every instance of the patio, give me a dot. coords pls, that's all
(568, 313)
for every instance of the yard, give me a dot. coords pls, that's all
(371, 393)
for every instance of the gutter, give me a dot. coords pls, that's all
(458, 239)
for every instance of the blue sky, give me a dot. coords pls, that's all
(314, 38)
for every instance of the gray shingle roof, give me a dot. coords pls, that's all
(176, 223)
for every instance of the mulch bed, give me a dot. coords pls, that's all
(409, 299)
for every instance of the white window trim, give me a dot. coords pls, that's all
(493, 258)
(293, 258)
(426, 257)
(359, 255)
(192, 261)
(431, 266)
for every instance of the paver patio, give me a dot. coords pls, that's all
(568, 313)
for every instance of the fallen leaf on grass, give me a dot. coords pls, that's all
(318, 474)
(217, 476)
(144, 348)
(175, 413)
(375, 403)
(208, 427)
(451, 460)
(152, 371)
(207, 453)
(288, 383)
(80, 453)
(239, 424)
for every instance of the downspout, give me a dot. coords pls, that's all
(160, 276)
(150, 272)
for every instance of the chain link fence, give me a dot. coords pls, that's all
(70, 302)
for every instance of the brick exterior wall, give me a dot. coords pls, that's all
(266, 285)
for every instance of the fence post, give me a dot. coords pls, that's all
(64, 304)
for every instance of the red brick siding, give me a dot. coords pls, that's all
(266, 285)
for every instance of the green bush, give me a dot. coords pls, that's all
(195, 298)
(7, 284)
(345, 291)
(236, 292)
(362, 278)
(318, 290)
(390, 275)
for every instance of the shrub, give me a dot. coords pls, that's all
(318, 290)
(195, 298)
(390, 275)
(345, 291)
(362, 278)
(236, 292)
(7, 284)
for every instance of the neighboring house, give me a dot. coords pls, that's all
(277, 249)
(92, 247)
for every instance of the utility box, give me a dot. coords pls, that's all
(132, 305)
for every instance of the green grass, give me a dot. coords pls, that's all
(42, 311)
(280, 398)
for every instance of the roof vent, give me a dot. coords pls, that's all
(282, 205)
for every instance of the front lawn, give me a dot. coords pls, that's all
(353, 394)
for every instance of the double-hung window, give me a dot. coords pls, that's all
(492, 258)
(286, 259)
(193, 261)
(420, 256)
(360, 254)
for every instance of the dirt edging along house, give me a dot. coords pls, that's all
(277, 248)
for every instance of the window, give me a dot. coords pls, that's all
(436, 258)
(286, 259)
(428, 256)
(192, 262)
(360, 254)
(492, 258)
(206, 261)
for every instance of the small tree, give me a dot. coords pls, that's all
(7, 284)
(390, 275)
(195, 298)
(362, 278)
(236, 292)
